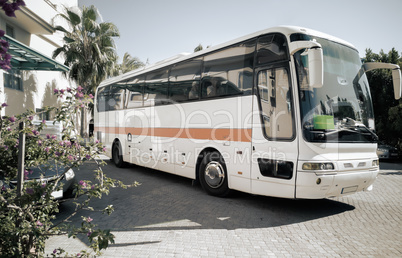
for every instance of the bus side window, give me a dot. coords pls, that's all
(156, 86)
(134, 96)
(116, 97)
(229, 72)
(101, 99)
(184, 80)
(272, 48)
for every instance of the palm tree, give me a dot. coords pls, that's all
(129, 63)
(198, 48)
(89, 49)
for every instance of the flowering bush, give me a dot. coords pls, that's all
(9, 7)
(26, 218)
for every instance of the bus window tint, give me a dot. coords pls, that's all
(116, 97)
(272, 48)
(184, 81)
(229, 72)
(135, 92)
(156, 88)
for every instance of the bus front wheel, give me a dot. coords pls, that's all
(213, 175)
(117, 156)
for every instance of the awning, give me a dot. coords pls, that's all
(26, 58)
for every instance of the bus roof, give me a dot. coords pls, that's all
(286, 30)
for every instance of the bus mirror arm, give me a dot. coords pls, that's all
(315, 61)
(396, 74)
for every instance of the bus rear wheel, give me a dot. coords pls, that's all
(117, 156)
(213, 175)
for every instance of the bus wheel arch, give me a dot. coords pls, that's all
(212, 173)
(117, 154)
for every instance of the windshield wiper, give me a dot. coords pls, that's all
(351, 123)
(350, 131)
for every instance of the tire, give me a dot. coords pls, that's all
(213, 175)
(117, 156)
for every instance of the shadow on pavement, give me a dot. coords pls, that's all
(167, 202)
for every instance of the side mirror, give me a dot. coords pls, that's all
(396, 75)
(316, 67)
(315, 60)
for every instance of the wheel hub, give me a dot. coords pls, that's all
(214, 174)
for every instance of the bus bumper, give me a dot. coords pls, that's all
(313, 185)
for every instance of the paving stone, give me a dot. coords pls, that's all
(167, 217)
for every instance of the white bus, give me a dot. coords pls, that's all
(283, 112)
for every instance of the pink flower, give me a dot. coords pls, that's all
(68, 89)
(47, 149)
(88, 156)
(70, 157)
(83, 184)
(26, 173)
(91, 96)
(39, 143)
(79, 88)
(35, 132)
(55, 91)
(12, 119)
(4, 105)
(38, 223)
(55, 251)
(79, 95)
(89, 219)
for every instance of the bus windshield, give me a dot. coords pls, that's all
(340, 111)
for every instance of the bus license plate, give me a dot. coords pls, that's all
(350, 189)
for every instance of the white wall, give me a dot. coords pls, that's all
(38, 85)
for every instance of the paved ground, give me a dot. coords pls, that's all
(167, 216)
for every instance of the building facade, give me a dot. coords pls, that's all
(34, 74)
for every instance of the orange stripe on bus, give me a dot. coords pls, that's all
(218, 134)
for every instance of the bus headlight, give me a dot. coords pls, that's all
(318, 166)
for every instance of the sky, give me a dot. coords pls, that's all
(153, 30)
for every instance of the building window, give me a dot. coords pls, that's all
(10, 31)
(13, 80)
(42, 115)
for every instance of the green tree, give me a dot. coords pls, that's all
(89, 50)
(198, 48)
(129, 63)
(387, 110)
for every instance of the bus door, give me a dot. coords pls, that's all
(274, 141)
